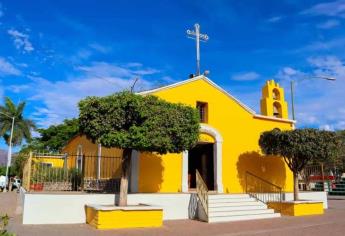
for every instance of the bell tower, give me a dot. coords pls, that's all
(272, 102)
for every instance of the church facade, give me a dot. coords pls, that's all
(228, 142)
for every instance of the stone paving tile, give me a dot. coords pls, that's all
(332, 223)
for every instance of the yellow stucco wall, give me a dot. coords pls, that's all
(298, 208)
(54, 161)
(160, 173)
(88, 147)
(117, 219)
(240, 131)
(110, 167)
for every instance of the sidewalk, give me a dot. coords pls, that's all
(332, 223)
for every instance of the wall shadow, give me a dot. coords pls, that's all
(152, 170)
(270, 168)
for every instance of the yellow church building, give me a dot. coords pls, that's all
(227, 148)
(224, 177)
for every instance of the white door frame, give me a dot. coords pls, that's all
(217, 160)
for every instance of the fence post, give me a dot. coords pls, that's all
(82, 172)
(99, 155)
(323, 177)
(27, 173)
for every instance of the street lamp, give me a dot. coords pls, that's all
(292, 87)
(9, 153)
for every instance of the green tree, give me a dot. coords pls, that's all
(143, 123)
(55, 137)
(22, 127)
(299, 147)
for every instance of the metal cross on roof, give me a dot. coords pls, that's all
(195, 34)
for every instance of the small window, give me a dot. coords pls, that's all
(203, 111)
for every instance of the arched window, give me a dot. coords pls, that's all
(276, 94)
(277, 110)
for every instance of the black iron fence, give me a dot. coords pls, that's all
(70, 172)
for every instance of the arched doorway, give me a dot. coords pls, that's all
(207, 158)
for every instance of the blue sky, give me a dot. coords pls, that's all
(53, 53)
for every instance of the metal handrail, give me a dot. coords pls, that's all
(262, 190)
(202, 191)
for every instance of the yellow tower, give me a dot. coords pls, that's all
(272, 101)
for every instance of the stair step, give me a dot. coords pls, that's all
(242, 217)
(240, 213)
(219, 200)
(227, 196)
(237, 208)
(229, 204)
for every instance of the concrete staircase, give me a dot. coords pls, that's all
(236, 207)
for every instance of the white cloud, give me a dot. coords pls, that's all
(274, 19)
(18, 88)
(289, 73)
(329, 24)
(21, 40)
(103, 69)
(319, 102)
(100, 48)
(6, 68)
(335, 8)
(328, 65)
(60, 98)
(245, 76)
(337, 43)
(326, 127)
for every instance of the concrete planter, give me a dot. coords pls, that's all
(114, 217)
(298, 208)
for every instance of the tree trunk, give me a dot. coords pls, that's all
(295, 186)
(126, 163)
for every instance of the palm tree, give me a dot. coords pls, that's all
(22, 127)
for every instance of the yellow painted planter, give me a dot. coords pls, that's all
(298, 208)
(113, 217)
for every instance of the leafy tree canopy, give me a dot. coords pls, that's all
(53, 138)
(22, 127)
(299, 147)
(56, 137)
(146, 123)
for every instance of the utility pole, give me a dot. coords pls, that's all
(195, 34)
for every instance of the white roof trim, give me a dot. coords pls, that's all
(251, 111)
(274, 118)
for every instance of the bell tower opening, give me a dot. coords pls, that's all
(273, 102)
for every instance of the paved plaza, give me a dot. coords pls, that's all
(331, 223)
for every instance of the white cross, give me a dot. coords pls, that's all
(198, 36)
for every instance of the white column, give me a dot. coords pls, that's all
(185, 172)
(134, 177)
(218, 166)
